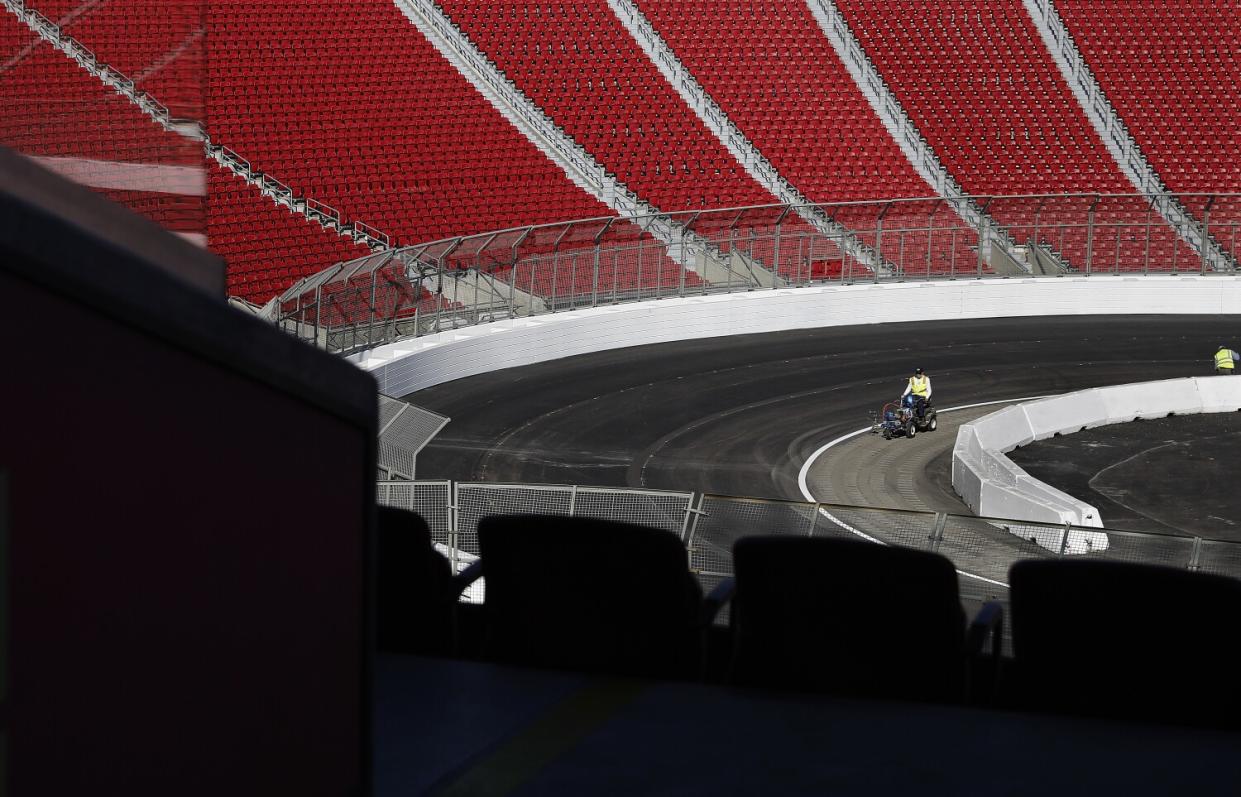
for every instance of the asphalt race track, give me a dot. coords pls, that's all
(740, 415)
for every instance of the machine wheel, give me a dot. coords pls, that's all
(932, 424)
(911, 429)
(887, 434)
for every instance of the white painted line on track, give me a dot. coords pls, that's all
(805, 469)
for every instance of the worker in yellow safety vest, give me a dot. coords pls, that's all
(919, 391)
(1225, 361)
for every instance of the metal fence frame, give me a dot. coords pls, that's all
(404, 430)
(415, 290)
(982, 549)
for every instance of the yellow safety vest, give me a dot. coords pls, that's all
(920, 386)
(1223, 359)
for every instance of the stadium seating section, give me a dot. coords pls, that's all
(781, 83)
(578, 62)
(267, 246)
(53, 108)
(56, 110)
(991, 102)
(1172, 72)
(421, 165)
(347, 102)
(156, 43)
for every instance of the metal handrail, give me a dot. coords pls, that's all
(608, 259)
(708, 527)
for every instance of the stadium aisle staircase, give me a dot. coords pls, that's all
(1172, 70)
(578, 63)
(157, 43)
(266, 245)
(53, 110)
(348, 102)
(781, 82)
(993, 105)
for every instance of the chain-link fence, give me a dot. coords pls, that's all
(982, 549)
(404, 430)
(454, 510)
(593, 262)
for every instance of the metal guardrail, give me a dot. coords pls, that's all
(982, 549)
(583, 263)
(404, 430)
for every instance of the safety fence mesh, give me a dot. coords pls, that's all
(404, 430)
(982, 549)
(594, 262)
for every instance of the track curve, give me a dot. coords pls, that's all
(903, 473)
(739, 415)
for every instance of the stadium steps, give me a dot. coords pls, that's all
(1157, 37)
(717, 120)
(1002, 119)
(267, 245)
(387, 127)
(782, 83)
(912, 140)
(483, 43)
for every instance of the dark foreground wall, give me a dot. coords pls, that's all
(186, 511)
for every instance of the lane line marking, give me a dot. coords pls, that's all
(805, 469)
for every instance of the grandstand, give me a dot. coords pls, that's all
(455, 189)
(419, 166)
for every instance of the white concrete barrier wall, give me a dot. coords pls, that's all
(1011, 428)
(1083, 410)
(1217, 395)
(993, 486)
(404, 367)
(1151, 400)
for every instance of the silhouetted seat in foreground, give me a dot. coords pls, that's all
(591, 595)
(1127, 641)
(415, 592)
(852, 618)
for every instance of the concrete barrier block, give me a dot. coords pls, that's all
(968, 445)
(1065, 414)
(998, 501)
(1081, 513)
(1150, 399)
(1218, 393)
(967, 482)
(1004, 430)
(999, 469)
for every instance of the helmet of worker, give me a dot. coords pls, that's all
(918, 371)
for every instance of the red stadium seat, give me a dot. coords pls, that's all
(983, 90)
